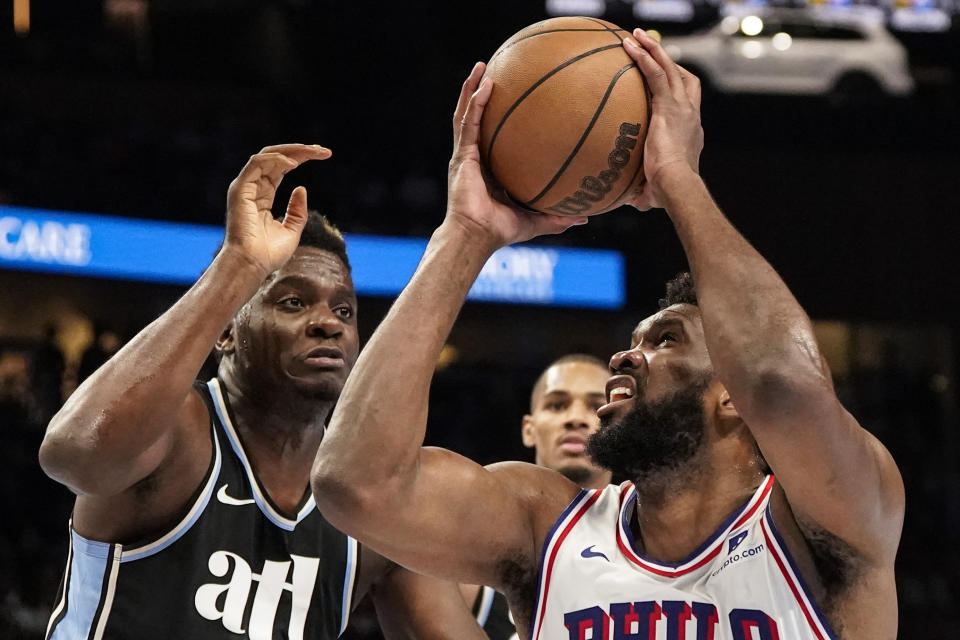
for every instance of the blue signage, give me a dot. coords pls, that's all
(176, 253)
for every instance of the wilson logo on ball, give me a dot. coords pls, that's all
(564, 128)
(594, 188)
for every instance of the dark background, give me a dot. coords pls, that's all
(149, 110)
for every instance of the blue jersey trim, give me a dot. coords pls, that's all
(796, 572)
(709, 542)
(88, 570)
(349, 575)
(219, 405)
(543, 552)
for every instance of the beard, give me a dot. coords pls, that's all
(655, 437)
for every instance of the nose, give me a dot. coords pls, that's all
(628, 361)
(324, 324)
(579, 416)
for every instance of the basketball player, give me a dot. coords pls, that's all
(710, 396)
(563, 415)
(193, 516)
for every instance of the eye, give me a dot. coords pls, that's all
(344, 312)
(666, 337)
(291, 302)
(555, 405)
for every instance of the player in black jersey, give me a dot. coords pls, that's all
(194, 517)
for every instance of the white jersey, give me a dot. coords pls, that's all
(741, 584)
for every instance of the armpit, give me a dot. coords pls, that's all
(837, 563)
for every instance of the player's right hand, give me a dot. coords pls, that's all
(252, 230)
(494, 222)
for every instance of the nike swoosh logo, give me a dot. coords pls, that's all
(589, 553)
(225, 499)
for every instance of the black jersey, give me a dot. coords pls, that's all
(492, 613)
(233, 567)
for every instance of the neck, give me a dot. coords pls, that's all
(677, 509)
(598, 481)
(281, 430)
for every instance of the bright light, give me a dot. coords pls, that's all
(729, 25)
(751, 49)
(576, 7)
(21, 17)
(751, 25)
(656, 35)
(782, 41)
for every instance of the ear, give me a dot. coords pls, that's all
(526, 432)
(226, 343)
(725, 410)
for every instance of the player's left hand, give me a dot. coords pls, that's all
(470, 200)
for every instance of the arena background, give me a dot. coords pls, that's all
(148, 108)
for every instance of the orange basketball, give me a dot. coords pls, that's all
(564, 128)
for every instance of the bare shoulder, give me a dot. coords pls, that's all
(545, 492)
(159, 499)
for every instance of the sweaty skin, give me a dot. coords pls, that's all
(441, 514)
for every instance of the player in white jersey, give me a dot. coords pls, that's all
(714, 392)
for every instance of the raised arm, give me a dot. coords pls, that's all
(836, 475)
(429, 509)
(139, 412)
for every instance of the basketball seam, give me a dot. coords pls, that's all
(542, 33)
(593, 121)
(526, 93)
(608, 28)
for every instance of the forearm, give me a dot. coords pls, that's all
(128, 404)
(377, 429)
(754, 327)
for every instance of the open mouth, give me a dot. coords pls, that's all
(621, 391)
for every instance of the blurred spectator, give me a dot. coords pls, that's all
(47, 368)
(106, 342)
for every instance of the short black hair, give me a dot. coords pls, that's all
(320, 233)
(571, 357)
(680, 290)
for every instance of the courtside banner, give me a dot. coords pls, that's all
(177, 253)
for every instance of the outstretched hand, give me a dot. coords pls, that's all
(471, 203)
(675, 138)
(251, 228)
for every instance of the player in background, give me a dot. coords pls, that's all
(193, 516)
(563, 415)
(712, 393)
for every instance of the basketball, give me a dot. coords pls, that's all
(564, 128)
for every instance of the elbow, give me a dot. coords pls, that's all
(352, 502)
(58, 459)
(340, 497)
(65, 459)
